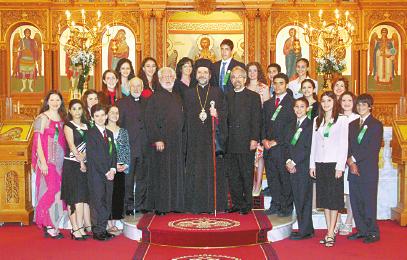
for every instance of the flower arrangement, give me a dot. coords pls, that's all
(86, 59)
(330, 65)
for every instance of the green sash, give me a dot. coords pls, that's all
(226, 78)
(56, 134)
(297, 134)
(362, 134)
(309, 112)
(110, 147)
(327, 129)
(276, 113)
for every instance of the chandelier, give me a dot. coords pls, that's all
(329, 40)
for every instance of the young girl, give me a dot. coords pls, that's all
(121, 140)
(74, 190)
(149, 76)
(257, 83)
(89, 99)
(302, 67)
(110, 92)
(308, 90)
(125, 71)
(340, 86)
(327, 161)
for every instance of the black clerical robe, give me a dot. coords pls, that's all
(199, 195)
(165, 123)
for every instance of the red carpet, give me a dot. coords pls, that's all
(156, 252)
(205, 230)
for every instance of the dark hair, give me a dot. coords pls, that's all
(306, 62)
(353, 100)
(275, 65)
(155, 83)
(107, 109)
(61, 109)
(260, 73)
(314, 95)
(303, 99)
(181, 63)
(227, 42)
(281, 76)
(104, 85)
(345, 82)
(365, 98)
(71, 104)
(335, 109)
(85, 101)
(119, 65)
(96, 108)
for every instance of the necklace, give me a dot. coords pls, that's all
(203, 115)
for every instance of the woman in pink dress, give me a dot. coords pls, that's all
(47, 159)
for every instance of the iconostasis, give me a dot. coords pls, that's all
(35, 60)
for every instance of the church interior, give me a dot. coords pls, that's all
(365, 41)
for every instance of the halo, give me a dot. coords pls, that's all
(198, 41)
(170, 44)
(238, 44)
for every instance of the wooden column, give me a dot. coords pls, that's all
(3, 70)
(264, 18)
(251, 16)
(404, 73)
(47, 73)
(138, 56)
(272, 51)
(363, 68)
(355, 70)
(146, 22)
(159, 15)
(97, 72)
(55, 66)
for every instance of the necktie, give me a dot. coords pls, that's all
(277, 101)
(298, 124)
(105, 136)
(222, 74)
(360, 123)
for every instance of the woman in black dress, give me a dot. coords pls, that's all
(184, 79)
(121, 141)
(74, 187)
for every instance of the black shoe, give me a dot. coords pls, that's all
(266, 192)
(109, 235)
(75, 237)
(371, 239)
(301, 237)
(356, 236)
(130, 212)
(272, 211)
(159, 213)
(244, 211)
(143, 211)
(46, 234)
(100, 237)
(233, 209)
(285, 213)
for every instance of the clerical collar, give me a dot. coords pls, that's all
(203, 86)
(240, 90)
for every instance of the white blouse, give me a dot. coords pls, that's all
(295, 86)
(333, 148)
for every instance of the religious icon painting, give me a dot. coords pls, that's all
(384, 59)
(290, 46)
(27, 60)
(118, 43)
(69, 70)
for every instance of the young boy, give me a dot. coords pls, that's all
(365, 137)
(101, 163)
(278, 115)
(298, 149)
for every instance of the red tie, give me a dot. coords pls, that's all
(105, 136)
(277, 101)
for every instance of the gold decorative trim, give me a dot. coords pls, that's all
(233, 27)
(204, 223)
(206, 257)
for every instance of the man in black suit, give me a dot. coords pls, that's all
(101, 163)
(298, 150)
(365, 137)
(244, 123)
(131, 109)
(278, 115)
(222, 69)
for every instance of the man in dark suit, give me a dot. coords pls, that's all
(278, 115)
(298, 149)
(131, 109)
(101, 163)
(365, 137)
(222, 69)
(244, 123)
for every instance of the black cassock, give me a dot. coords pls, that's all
(165, 122)
(199, 195)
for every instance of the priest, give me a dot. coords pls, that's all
(165, 123)
(199, 197)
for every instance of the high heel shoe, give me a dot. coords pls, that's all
(86, 233)
(76, 238)
(47, 234)
(88, 229)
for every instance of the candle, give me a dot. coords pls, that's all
(320, 13)
(99, 13)
(68, 15)
(18, 107)
(355, 84)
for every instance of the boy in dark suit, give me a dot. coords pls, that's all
(101, 163)
(244, 123)
(278, 115)
(222, 69)
(298, 149)
(365, 137)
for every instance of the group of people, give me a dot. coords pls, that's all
(186, 139)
